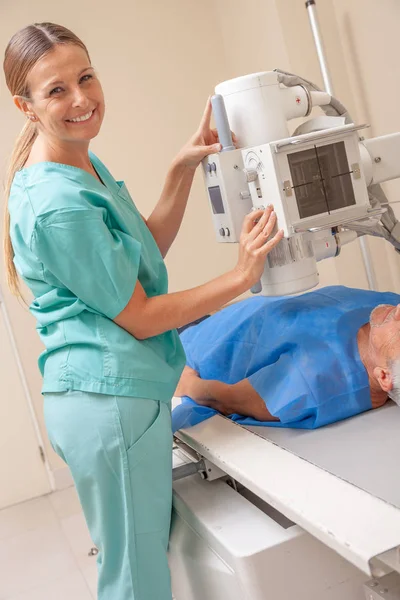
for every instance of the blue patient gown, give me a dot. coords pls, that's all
(299, 353)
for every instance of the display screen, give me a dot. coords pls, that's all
(216, 200)
(321, 179)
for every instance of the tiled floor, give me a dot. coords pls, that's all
(44, 546)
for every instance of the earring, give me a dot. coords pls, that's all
(32, 117)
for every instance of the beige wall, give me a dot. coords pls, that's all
(158, 62)
(370, 40)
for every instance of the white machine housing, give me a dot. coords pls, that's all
(315, 180)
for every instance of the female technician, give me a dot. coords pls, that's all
(95, 268)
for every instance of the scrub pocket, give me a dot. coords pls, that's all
(119, 451)
(149, 459)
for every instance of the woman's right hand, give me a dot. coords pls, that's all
(254, 247)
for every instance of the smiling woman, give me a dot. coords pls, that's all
(32, 59)
(65, 100)
(112, 356)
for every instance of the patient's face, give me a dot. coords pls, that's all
(384, 337)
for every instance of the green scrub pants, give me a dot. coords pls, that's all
(119, 451)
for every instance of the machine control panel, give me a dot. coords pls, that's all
(228, 195)
(224, 231)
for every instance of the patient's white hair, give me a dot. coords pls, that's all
(394, 393)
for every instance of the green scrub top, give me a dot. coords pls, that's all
(80, 245)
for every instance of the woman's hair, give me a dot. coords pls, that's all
(23, 51)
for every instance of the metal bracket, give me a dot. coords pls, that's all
(188, 469)
(197, 464)
(306, 138)
(385, 588)
(212, 471)
(372, 212)
(287, 188)
(355, 167)
(385, 563)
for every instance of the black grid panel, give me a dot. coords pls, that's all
(321, 179)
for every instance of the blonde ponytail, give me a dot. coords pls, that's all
(23, 51)
(19, 157)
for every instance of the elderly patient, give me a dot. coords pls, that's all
(302, 361)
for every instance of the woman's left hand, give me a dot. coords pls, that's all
(204, 142)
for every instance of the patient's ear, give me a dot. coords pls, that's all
(384, 378)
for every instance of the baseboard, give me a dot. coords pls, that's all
(62, 478)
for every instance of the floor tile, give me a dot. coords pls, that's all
(77, 534)
(25, 517)
(33, 559)
(69, 587)
(90, 575)
(65, 503)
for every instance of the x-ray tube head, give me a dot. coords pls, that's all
(290, 268)
(315, 179)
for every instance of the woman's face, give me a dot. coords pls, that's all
(66, 97)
